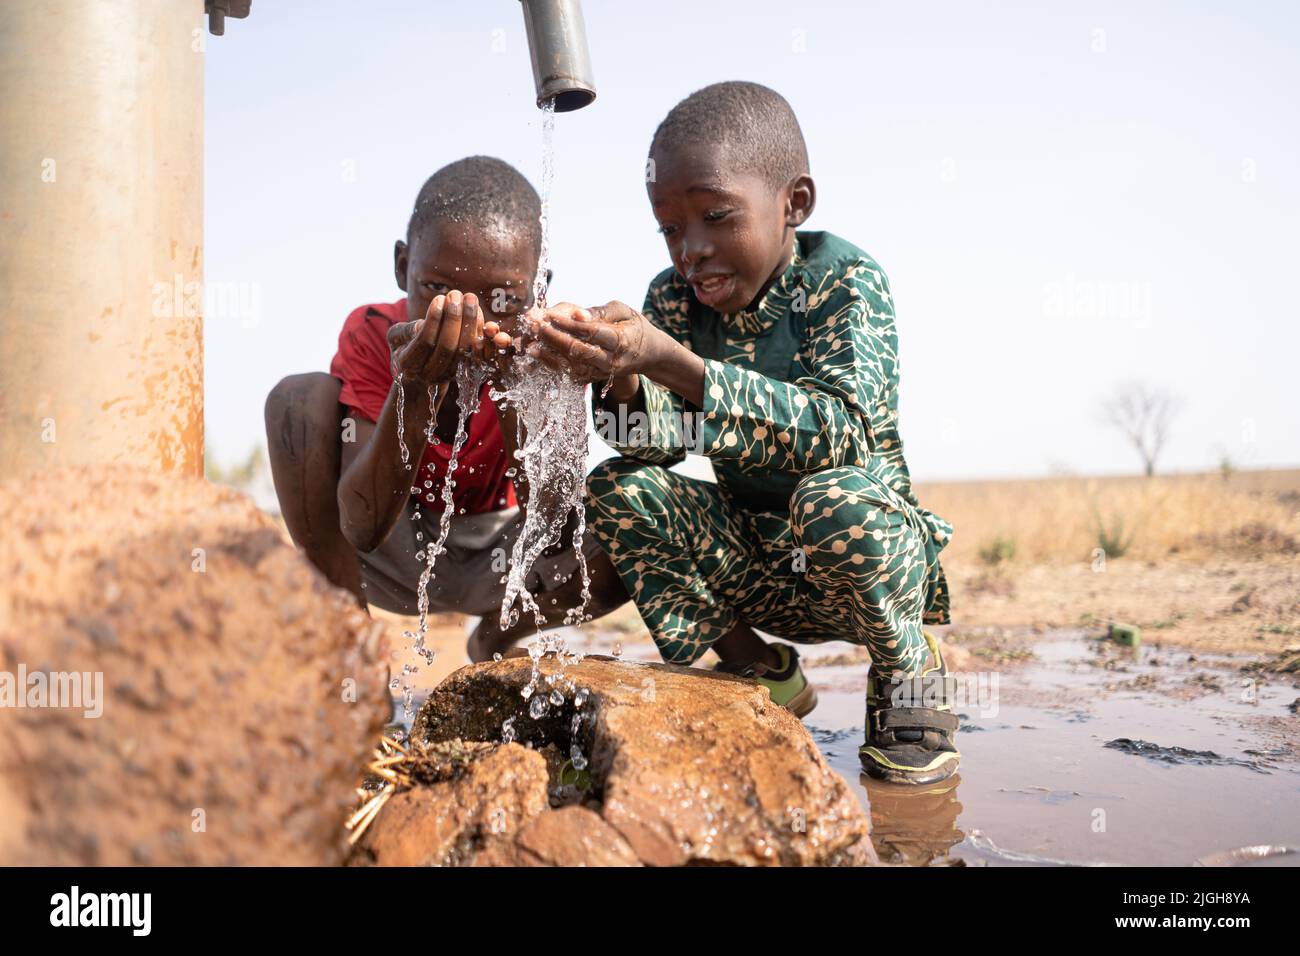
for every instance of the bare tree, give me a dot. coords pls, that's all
(1144, 415)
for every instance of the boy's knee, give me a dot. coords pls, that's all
(841, 508)
(300, 407)
(842, 490)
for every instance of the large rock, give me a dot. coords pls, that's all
(684, 766)
(446, 819)
(241, 692)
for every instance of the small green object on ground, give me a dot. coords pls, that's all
(1127, 635)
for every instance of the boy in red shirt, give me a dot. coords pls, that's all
(348, 497)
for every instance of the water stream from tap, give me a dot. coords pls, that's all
(551, 411)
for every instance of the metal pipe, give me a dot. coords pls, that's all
(557, 44)
(101, 234)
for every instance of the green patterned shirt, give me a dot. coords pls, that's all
(807, 380)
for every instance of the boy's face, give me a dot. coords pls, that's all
(494, 263)
(729, 232)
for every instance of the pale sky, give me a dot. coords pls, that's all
(1062, 200)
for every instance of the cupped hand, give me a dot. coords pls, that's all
(427, 351)
(595, 344)
(495, 344)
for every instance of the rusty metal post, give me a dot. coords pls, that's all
(101, 234)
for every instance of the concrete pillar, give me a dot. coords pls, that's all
(101, 234)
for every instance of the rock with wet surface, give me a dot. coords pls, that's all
(684, 766)
(446, 820)
(241, 692)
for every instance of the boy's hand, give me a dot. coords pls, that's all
(597, 344)
(495, 343)
(426, 352)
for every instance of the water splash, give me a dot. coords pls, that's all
(401, 414)
(551, 412)
(548, 180)
(552, 451)
(546, 694)
(470, 377)
(550, 408)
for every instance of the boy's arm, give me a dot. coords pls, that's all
(822, 419)
(640, 418)
(375, 484)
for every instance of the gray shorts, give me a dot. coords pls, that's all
(467, 578)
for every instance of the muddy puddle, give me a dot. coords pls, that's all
(1078, 752)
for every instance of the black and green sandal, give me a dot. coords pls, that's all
(786, 684)
(910, 724)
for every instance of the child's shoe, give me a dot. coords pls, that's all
(907, 742)
(786, 684)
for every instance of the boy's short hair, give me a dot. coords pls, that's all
(479, 189)
(754, 124)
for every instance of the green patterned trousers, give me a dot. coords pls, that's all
(851, 561)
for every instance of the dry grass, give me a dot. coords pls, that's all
(1060, 520)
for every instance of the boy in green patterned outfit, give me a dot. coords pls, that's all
(774, 353)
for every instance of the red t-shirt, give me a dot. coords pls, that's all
(364, 364)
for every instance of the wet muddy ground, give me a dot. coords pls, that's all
(1089, 753)
(1076, 751)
